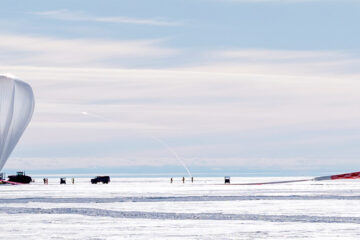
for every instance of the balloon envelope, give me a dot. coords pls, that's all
(16, 109)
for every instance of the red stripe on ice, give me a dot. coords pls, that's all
(354, 175)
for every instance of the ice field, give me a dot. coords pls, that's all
(152, 208)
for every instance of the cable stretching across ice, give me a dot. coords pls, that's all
(16, 109)
(173, 153)
(163, 143)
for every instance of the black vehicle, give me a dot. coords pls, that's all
(103, 179)
(20, 177)
(227, 180)
(63, 180)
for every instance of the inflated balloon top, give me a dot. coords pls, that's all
(16, 109)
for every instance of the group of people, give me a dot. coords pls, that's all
(62, 181)
(46, 181)
(183, 180)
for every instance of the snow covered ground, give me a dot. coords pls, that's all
(152, 208)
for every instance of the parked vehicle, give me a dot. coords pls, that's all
(103, 179)
(227, 180)
(20, 177)
(63, 180)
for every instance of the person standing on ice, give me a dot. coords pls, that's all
(73, 180)
(183, 179)
(171, 180)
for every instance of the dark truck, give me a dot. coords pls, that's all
(103, 179)
(62, 180)
(20, 177)
(227, 180)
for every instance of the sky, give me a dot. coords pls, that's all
(229, 86)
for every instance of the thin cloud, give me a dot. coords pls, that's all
(46, 51)
(280, 62)
(271, 55)
(67, 15)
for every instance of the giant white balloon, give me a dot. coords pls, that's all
(16, 109)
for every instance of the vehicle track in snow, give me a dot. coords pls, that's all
(94, 212)
(179, 199)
